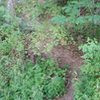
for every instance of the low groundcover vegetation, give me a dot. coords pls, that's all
(30, 30)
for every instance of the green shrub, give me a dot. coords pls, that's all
(78, 17)
(55, 87)
(2, 12)
(88, 85)
(23, 81)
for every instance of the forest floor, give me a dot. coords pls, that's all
(72, 56)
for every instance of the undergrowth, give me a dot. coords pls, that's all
(20, 78)
(88, 85)
(35, 28)
(24, 80)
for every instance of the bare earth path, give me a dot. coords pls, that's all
(72, 56)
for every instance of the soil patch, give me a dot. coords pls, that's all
(72, 56)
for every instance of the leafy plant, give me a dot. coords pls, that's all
(23, 81)
(88, 85)
(55, 87)
(2, 12)
(78, 16)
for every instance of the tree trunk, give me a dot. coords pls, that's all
(10, 7)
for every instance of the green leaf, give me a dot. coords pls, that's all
(59, 19)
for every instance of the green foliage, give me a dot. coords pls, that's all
(88, 85)
(91, 51)
(59, 19)
(79, 16)
(39, 27)
(2, 13)
(10, 43)
(22, 82)
(21, 79)
(55, 87)
(73, 12)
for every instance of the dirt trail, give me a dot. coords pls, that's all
(72, 56)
